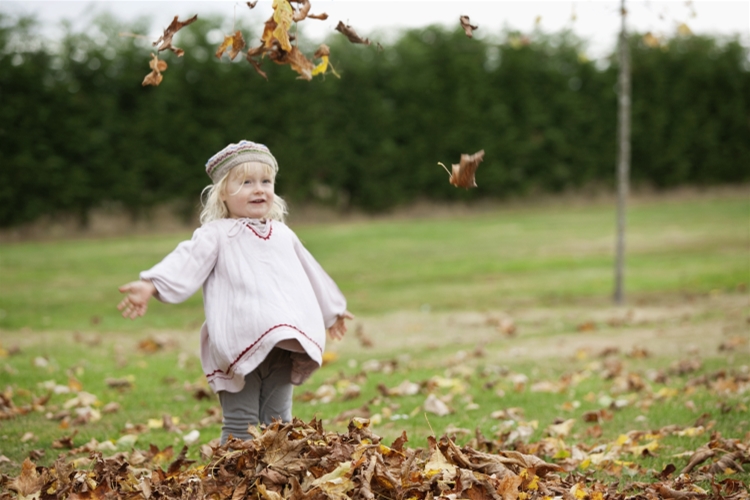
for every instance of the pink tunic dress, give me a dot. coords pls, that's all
(261, 288)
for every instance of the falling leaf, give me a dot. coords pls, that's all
(279, 23)
(684, 30)
(322, 53)
(166, 38)
(252, 4)
(303, 11)
(352, 35)
(236, 42)
(256, 65)
(463, 173)
(467, 26)
(650, 40)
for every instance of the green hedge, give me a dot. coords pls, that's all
(77, 130)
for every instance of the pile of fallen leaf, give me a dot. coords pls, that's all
(302, 461)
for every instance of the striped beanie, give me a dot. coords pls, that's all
(234, 154)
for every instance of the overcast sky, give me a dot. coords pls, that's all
(597, 21)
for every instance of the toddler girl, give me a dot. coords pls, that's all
(267, 301)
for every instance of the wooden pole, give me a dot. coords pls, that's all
(623, 155)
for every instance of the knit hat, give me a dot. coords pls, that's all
(234, 154)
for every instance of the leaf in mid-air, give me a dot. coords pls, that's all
(166, 39)
(233, 42)
(463, 173)
(157, 66)
(467, 26)
(279, 25)
(322, 53)
(352, 35)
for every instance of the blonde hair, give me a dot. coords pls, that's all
(214, 207)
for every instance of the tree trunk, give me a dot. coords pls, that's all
(623, 155)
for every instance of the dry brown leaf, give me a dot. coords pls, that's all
(29, 482)
(323, 53)
(729, 463)
(236, 42)
(282, 18)
(256, 66)
(463, 173)
(352, 35)
(320, 17)
(300, 461)
(699, 456)
(303, 11)
(65, 441)
(668, 493)
(252, 4)
(166, 38)
(467, 26)
(119, 383)
(434, 405)
(154, 78)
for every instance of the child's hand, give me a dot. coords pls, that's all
(135, 302)
(338, 329)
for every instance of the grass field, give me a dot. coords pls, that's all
(489, 260)
(503, 316)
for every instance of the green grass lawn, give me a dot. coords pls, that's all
(549, 267)
(484, 261)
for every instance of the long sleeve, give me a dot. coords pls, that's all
(330, 299)
(181, 273)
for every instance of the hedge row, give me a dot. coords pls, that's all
(77, 130)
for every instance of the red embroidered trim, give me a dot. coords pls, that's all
(270, 231)
(218, 373)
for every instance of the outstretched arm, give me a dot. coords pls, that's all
(338, 329)
(135, 302)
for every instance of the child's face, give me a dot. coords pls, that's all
(249, 191)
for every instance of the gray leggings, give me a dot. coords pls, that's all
(267, 395)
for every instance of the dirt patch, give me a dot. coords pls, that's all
(709, 324)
